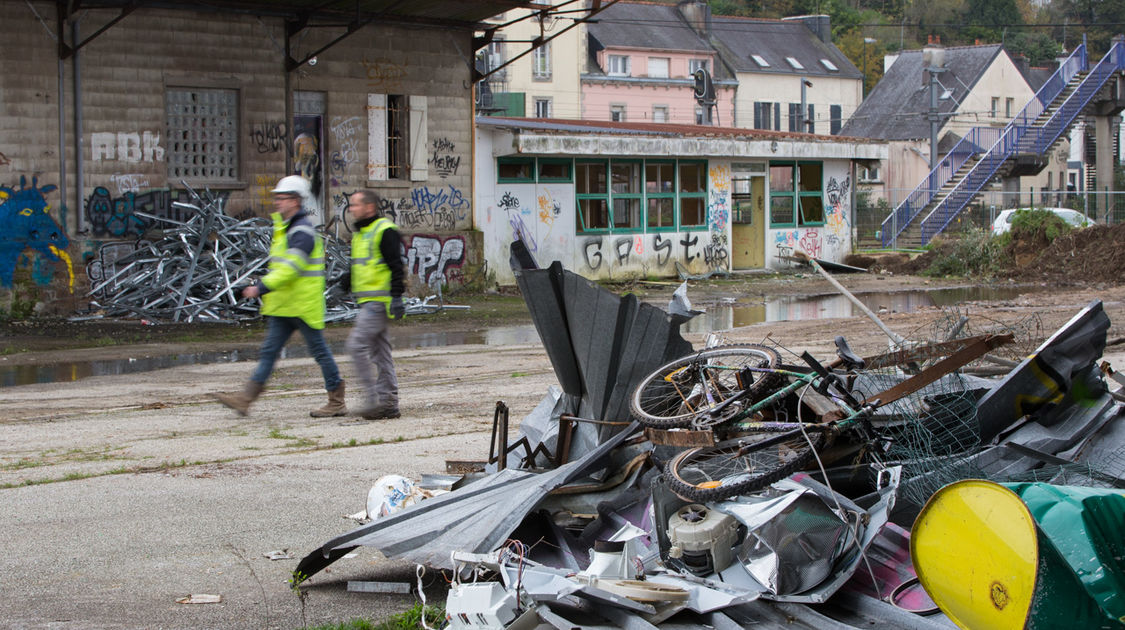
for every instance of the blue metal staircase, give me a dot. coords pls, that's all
(986, 153)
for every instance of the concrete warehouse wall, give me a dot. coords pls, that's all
(63, 220)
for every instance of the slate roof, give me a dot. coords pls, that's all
(896, 109)
(738, 39)
(641, 25)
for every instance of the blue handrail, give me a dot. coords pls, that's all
(973, 143)
(1024, 139)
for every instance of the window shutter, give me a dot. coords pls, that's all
(418, 139)
(377, 137)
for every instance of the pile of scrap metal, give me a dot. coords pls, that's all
(196, 270)
(578, 525)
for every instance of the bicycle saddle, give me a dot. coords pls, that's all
(850, 359)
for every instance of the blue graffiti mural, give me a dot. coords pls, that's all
(122, 217)
(26, 224)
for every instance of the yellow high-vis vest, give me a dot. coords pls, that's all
(295, 281)
(371, 277)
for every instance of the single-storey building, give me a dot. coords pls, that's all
(616, 200)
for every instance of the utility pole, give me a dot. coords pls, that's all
(933, 58)
(802, 116)
(866, 41)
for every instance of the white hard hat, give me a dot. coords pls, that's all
(293, 185)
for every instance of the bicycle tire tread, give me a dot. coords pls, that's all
(691, 492)
(684, 420)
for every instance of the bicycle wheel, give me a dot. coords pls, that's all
(678, 392)
(742, 465)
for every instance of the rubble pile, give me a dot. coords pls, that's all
(196, 270)
(708, 508)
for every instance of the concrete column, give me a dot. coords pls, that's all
(1103, 163)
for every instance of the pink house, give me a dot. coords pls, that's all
(643, 57)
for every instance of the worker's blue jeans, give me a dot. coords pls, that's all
(279, 329)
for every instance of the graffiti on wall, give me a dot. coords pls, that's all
(520, 231)
(128, 182)
(269, 137)
(384, 74)
(810, 243)
(443, 159)
(121, 216)
(439, 209)
(103, 265)
(718, 207)
(4, 161)
(549, 208)
(26, 224)
(433, 259)
(126, 147)
(620, 251)
(663, 248)
(715, 253)
(836, 223)
(345, 136)
(784, 242)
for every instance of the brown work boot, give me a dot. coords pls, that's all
(240, 401)
(335, 406)
(380, 412)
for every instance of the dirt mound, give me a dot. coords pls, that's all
(1091, 255)
(904, 264)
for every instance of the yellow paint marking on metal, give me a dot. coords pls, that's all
(975, 550)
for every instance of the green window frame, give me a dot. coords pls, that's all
(691, 176)
(796, 194)
(660, 195)
(557, 170)
(591, 187)
(627, 195)
(515, 170)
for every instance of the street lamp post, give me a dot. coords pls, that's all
(866, 41)
(934, 60)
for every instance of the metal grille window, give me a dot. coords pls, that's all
(397, 136)
(202, 134)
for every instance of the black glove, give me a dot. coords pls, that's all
(345, 281)
(398, 311)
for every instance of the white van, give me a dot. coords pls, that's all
(1074, 218)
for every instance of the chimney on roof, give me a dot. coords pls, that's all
(820, 25)
(698, 15)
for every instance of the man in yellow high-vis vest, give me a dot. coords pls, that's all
(376, 281)
(292, 293)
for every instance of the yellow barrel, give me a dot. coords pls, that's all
(976, 552)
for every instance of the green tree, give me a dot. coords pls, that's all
(1039, 47)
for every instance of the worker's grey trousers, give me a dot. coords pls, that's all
(370, 346)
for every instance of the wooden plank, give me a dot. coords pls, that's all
(680, 437)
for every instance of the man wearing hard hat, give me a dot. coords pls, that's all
(292, 295)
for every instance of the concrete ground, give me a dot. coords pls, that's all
(124, 494)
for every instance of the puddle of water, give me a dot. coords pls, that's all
(718, 317)
(721, 316)
(64, 372)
